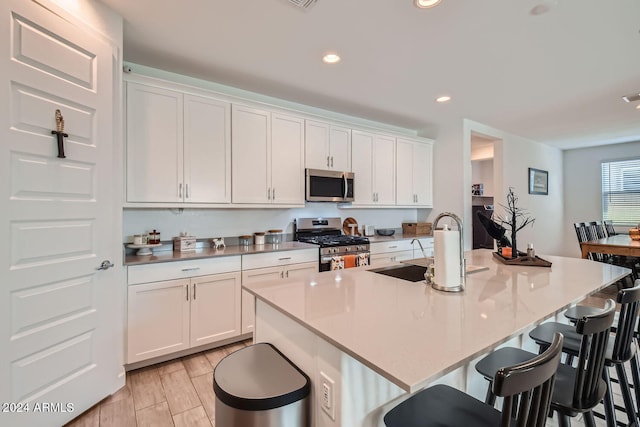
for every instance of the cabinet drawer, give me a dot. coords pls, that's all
(271, 259)
(181, 269)
(391, 246)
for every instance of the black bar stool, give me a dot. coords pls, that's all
(577, 390)
(526, 387)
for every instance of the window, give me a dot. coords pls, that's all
(621, 192)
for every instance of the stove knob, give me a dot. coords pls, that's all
(347, 249)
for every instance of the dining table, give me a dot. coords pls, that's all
(618, 244)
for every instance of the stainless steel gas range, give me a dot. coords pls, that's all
(337, 251)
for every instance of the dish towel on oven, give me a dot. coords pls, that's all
(337, 263)
(349, 261)
(363, 259)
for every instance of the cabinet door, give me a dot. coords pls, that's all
(207, 150)
(422, 174)
(300, 270)
(215, 308)
(251, 129)
(316, 145)
(362, 167)
(154, 154)
(384, 170)
(158, 319)
(404, 173)
(248, 312)
(287, 159)
(340, 149)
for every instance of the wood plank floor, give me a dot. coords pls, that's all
(176, 393)
(180, 392)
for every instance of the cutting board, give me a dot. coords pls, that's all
(347, 230)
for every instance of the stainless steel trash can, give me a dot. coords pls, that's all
(258, 386)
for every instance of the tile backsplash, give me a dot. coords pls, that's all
(207, 223)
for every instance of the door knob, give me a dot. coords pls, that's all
(106, 264)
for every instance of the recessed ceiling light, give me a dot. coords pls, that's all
(425, 4)
(638, 107)
(444, 98)
(331, 58)
(543, 7)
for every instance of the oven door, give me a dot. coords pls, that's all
(341, 262)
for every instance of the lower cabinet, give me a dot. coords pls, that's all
(167, 316)
(399, 250)
(279, 272)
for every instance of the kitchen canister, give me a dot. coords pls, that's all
(245, 240)
(258, 238)
(274, 236)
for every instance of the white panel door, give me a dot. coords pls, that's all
(316, 145)
(207, 150)
(404, 176)
(384, 170)
(362, 162)
(340, 149)
(154, 144)
(287, 159)
(300, 270)
(158, 319)
(251, 129)
(60, 332)
(215, 308)
(422, 173)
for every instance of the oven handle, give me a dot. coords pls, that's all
(327, 258)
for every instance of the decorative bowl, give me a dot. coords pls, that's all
(634, 233)
(385, 231)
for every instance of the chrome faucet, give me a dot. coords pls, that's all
(463, 272)
(421, 248)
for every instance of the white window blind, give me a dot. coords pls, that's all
(621, 192)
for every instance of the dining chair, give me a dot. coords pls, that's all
(620, 351)
(577, 389)
(526, 387)
(608, 225)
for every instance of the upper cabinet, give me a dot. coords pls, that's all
(414, 165)
(178, 147)
(327, 146)
(267, 157)
(374, 165)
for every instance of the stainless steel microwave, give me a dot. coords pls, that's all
(329, 186)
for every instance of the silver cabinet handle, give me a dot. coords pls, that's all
(373, 197)
(416, 198)
(191, 269)
(284, 259)
(327, 161)
(287, 274)
(331, 161)
(268, 194)
(393, 247)
(186, 289)
(282, 274)
(186, 191)
(194, 291)
(105, 265)
(273, 194)
(180, 191)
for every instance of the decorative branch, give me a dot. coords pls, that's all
(517, 218)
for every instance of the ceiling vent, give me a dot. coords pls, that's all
(305, 4)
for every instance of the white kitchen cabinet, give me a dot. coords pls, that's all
(273, 266)
(373, 162)
(327, 146)
(267, 156)
(178, 147)
(414, 165)
(199, 303)
(390, 251)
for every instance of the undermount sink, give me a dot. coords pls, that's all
(412, 273)
(413, 270)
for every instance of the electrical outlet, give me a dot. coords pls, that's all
(327, 395)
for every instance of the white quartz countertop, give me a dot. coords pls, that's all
(412, 334)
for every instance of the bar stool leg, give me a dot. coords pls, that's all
(589, 419)
(630, 409)
(635, 376)
(609, 408)
(490, 398)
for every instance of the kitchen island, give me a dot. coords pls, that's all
(374, 339)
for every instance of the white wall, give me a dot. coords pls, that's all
(583, 186)
(482, 173)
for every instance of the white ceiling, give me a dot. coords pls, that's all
(557, 78)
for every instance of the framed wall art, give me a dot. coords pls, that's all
(538, 181)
